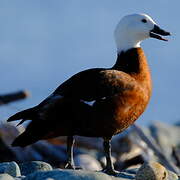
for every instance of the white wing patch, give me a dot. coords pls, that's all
(92, 102)
(89, 102)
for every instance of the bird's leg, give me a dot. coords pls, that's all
(109, 169)
(70, 160)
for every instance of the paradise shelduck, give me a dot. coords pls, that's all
(117, 95)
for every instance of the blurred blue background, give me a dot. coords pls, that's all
(43, 42)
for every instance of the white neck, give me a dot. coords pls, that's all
(123, 43)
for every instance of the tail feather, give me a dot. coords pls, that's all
(34, 131)
(23, 140)
(26, 114)
(21, 122)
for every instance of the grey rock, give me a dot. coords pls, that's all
(10, 168)
(172, 176)
(75, 175)
(152, 171)
(166, 136)
(140, 146)
(19, 177)
(125, 176)
(6, 177)
(132, 170)
(87, 162)
(34, 166)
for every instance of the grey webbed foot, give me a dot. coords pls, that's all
(110, 171)
(70, 166)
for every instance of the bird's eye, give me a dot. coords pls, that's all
(144, 20)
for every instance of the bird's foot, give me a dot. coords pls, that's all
(110, 171)
(71, 166)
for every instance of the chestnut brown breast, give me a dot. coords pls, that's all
(132, 76)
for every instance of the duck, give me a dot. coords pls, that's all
(98, 102)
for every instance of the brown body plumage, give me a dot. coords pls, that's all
(121, 95)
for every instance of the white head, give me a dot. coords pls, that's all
(133, 29)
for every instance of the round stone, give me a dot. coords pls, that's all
(6, 177)
(152, 171)
(34, 166)
(10, 168)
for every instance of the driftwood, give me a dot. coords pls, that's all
(7, 98)
(164, 160)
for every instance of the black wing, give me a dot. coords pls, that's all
(86, 85)
(89, 85)
(94, 84)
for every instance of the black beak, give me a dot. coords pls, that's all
(157, 31)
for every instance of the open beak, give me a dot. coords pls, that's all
(157, 31)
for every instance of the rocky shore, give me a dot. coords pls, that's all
(132, 156)
(38, 170)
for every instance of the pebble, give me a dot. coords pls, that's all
(87, 162)
(6, 177)
(74, 175)
(10, 168)
(166, 136)
(172, 176)
(152, 171)
(39, 170)
(34, 166)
